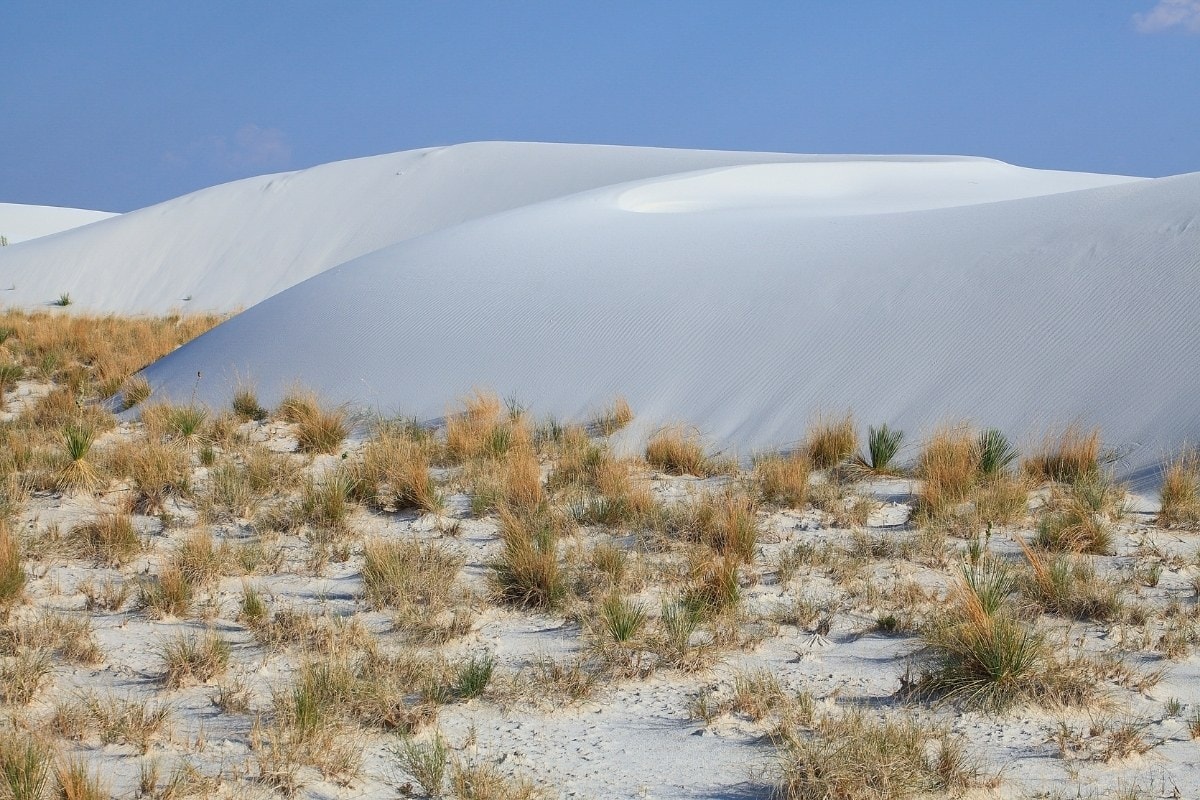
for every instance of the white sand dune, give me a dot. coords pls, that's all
(230, 246)
(20, 223)
(915, 292)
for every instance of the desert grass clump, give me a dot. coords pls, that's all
(728, 523)
(831, 440)
(472, 675)
(398, 574)
(326, 504)
(109, 539)
(67, 636)
(135, 392)
(1000, 498)
(1070, 455)
(246, 406)
(1071, 588)
(425, 761)
(483, 428)
(982, 656)
(621, 619)
(113, 720)
(24, 768)
(855, 756)
(883, 444)
(783, 479)
(77, 782)
(200, 559)
(947, 468)
(183, 423)
(193, 658)
(24, 674)
(1179, 495)
(714, 587)
(169, 594)
(401, 465)
(1080, 520)
(321, 430)
(483, 781)
(12, 572)
(156, 471)
(9, 375)
(78, 472)
(612, 418)
(678, 451)
(528, 572)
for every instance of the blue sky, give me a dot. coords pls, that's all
(118, 105)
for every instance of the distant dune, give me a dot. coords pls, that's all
(739, 292)
(20, 223)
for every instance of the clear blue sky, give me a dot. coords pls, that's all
(116, 105)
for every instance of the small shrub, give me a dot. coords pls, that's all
(63, 300)
(831, 440)
(783, 479)
(1068, 456)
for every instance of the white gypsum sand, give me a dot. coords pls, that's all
(20, 223)
(745, 300)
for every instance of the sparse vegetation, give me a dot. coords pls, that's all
(1179, 495)
(1068, 456)
(678, 451)
(883, 444)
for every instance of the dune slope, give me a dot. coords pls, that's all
(228, 247)
(743, 302)
(21, 223)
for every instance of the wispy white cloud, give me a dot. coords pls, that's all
(250, 147)
(1169, 14)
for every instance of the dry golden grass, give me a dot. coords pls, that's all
(947, 469)
(783, 479)
(482, 427)
(528, 572)
(109, 539)
(12, 571)
(727, 523)
(409, 573)
(394, 472)
(831, 440)
(1080, 518)
(677, 450)
(193, 658)
(156, 471)
(612, 418)
(1002, 499)
(1179, 495)
(1066, 456)
(94, 354)
(77, 782)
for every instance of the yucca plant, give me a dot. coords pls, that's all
(883, 443)
(77, 439)
(993, 452)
